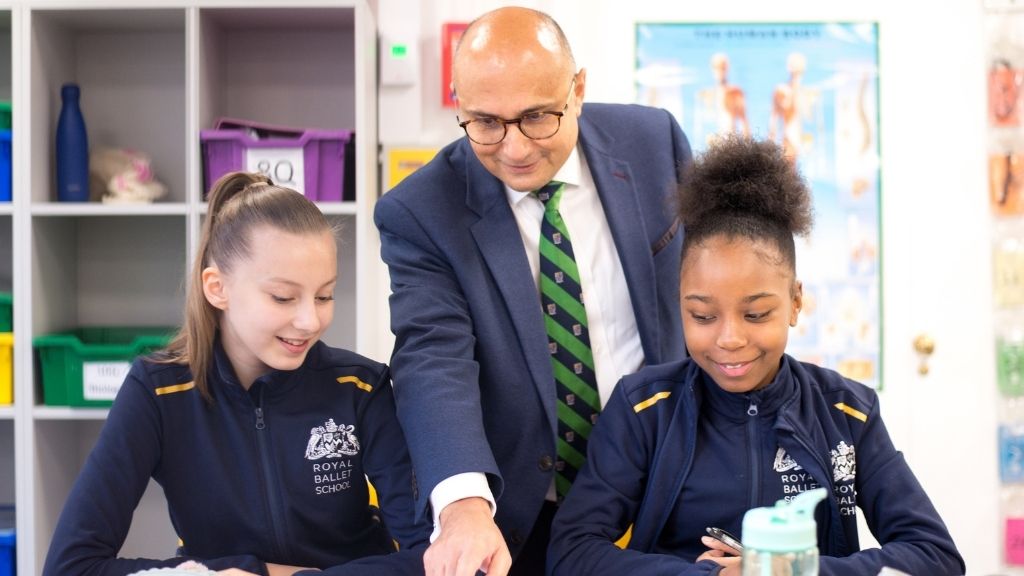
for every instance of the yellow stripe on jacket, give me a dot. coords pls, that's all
(651, 401)
(175, 388)
(851, 411)
(354, 380)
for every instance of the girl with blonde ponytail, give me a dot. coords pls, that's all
(261, 435)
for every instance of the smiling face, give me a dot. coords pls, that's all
(276, 303)
(739, 298)
(509, 65)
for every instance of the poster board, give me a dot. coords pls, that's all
(812, 87)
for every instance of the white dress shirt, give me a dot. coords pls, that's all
(614, 340)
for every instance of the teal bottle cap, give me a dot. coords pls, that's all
(785, 527)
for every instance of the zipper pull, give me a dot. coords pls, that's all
(752, 409)
(260, 424)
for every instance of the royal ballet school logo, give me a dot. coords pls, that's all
(844, 463)
(332, 441)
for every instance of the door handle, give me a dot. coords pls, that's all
(925, 346)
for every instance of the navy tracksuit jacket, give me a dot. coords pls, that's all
(272, 474)
(673, 453)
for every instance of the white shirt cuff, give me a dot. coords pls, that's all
(458, 487)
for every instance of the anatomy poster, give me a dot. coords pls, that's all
(812, 87)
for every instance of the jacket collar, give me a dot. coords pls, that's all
(271, 384)
(801, 425)
(768, 400)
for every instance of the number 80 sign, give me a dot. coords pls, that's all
(285, 166)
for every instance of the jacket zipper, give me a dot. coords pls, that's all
(273, 501)
(755, 460)
(826, 533)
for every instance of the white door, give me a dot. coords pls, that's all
(937, 268)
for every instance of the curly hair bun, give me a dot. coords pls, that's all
(740, 176)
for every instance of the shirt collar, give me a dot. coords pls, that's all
(571, 173)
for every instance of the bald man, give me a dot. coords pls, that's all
(474, 368)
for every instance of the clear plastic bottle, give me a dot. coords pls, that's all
(782, 540)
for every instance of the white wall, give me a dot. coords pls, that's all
(402, 109)
(932, 62)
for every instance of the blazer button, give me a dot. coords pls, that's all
(516, 537)
(546, 464)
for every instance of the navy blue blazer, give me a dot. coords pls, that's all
(471, 369)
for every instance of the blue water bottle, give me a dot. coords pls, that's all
(72, 149)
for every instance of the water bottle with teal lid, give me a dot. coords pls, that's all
(782, 540)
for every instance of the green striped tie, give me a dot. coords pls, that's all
(565, 318)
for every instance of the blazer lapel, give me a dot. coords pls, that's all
(498, 238)
(619, 197)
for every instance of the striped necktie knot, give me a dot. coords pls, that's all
(550, 194)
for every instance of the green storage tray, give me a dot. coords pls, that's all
(5, 114)
(6, 312)
(85, 367)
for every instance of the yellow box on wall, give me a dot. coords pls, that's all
(404, 161)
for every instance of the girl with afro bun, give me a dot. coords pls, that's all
(693, 444)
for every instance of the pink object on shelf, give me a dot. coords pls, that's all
(1015, 541)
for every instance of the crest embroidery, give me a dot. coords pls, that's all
(844, 462)
(332, 441)
(784, 462)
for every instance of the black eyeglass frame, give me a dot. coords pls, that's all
(518, 121)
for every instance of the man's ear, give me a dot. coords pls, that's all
(214, 288)
(581, 87)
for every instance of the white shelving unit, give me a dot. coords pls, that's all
(8, 420)
(152, 75)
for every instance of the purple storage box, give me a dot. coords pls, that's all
(308, 160)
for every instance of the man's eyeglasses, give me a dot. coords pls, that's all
(535, 125)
